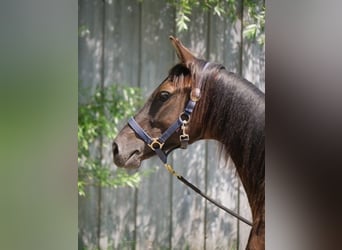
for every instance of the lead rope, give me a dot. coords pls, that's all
(197, 190)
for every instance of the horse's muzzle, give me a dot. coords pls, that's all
(125, 158)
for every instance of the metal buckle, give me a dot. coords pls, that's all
(195, 94)
(155, 144)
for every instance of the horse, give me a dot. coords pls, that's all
(223, 106)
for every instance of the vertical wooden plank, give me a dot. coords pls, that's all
(89, 46)
(221, 228)
(156, 50)
(88, 219)
(117, 218)
(121, 67)
(222, 185)
(245, 211)
(122, 42)
(253, 60)
(89, 68)
(188, 207)
(253, 69)
(153, 211)
(225, 41)
(222, 177)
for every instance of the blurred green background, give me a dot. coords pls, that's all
(38, 125)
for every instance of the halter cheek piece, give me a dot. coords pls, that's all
(156, 144)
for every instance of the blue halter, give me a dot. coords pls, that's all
(156, 144)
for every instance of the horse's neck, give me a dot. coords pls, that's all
(236, 116)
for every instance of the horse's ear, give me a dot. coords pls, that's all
(183, 53)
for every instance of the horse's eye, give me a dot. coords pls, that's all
(163, 96)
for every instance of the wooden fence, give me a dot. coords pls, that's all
(126, 42)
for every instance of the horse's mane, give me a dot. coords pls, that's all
(233, 109)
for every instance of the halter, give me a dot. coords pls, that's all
(156, 144)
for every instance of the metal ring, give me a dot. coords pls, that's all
(155, 144)
(184, 118)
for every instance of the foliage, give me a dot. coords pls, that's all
(254, 28)
(218, 7)
(97, 120)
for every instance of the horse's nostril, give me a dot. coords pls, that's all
(115, 149)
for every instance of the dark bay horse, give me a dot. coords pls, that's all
(223, 107)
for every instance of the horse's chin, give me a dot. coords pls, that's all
(132, 164)
(132, 161)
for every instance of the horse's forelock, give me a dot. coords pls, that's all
(179, 69)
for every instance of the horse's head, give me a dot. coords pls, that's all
(161, 110)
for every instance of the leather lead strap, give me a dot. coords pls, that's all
(197, 190)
